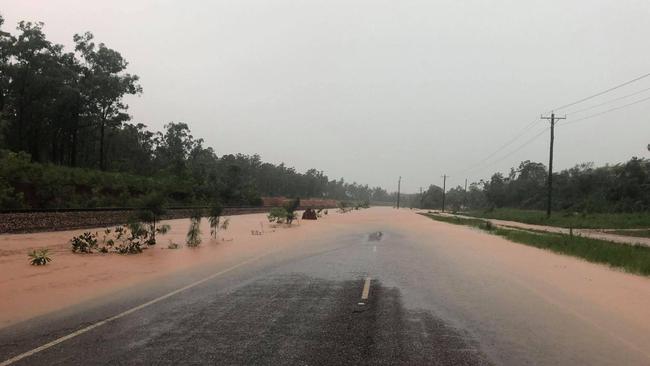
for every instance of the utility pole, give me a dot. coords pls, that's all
(421, 197)
(549, 194)
(465, 195)
(399, 183)
(444, 190)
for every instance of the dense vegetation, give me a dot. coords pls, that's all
(67, 140)
(584, 189)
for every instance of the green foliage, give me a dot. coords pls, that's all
(103, 83)
(214, 217)
(50, 186)
(193, 238)
(107, 241)
(583, 189)
(9, 198)
(84, 243)
(39, 257)
(290, 208)
(151, 209)
(225, 224)
(277, 215)
(135, 237)
(129, 239)
(568, 219)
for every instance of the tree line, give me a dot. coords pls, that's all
(585, 188)
(65, 129)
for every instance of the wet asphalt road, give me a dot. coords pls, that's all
(283, 309)
(427, 305)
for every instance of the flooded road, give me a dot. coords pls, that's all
(378, 287)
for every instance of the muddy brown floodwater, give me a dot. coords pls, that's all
(521, 303)
(70, 278)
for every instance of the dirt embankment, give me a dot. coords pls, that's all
(25, 222)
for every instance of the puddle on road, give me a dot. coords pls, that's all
(376, 236)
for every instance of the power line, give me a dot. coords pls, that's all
(606, 111)
(531, 124)
(508, 143)
(603, 92)
(519, 148)
(574, 121)
(533, 138)
(608, 102)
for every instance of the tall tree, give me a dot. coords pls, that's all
(104, 83)
(6, 44)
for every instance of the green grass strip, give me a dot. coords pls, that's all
(632, 233)
(631, 258)
(638, 220)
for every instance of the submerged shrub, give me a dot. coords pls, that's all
(194, 232)
(84, 243)
(277, 215)
(133, 239)
(214, 218)
(290, 207)
(39, 257)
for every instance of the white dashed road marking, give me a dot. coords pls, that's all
(366, 291)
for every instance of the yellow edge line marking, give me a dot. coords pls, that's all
(127, 312)
(366, 290)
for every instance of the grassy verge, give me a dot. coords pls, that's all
(634, 233)
(631, 258)
(638, 220)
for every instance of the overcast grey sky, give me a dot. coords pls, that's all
(369, 90)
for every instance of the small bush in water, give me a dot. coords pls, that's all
(84, 243)
(194, 232)
(39, 257)
(277, 215)
(136, 236)
(488, 226)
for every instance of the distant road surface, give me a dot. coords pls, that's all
(420, 293)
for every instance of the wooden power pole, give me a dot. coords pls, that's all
(465, 195)
(399, 183)
(444, 190)
(549, 194)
